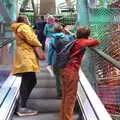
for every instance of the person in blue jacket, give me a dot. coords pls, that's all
(48, 32)
(48, 29)
(58, 33)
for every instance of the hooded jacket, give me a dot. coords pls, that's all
(25, 59)
(51, 49)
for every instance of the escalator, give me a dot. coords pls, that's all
(43, 98)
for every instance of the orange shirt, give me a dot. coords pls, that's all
(78, 51)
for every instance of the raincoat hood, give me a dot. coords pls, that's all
(15, 26)
(25, 59)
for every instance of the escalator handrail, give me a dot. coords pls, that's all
(8, 105)
(6, 42)
(107, 57)
(91, 105)
(5, 88)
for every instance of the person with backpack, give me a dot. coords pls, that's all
(69, 72)
(58, 34)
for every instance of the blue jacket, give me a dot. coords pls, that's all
(49, 30)
(51, 49)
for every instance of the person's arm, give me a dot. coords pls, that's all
(29, 35)
(90, 43)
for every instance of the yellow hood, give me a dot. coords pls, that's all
(15, 26)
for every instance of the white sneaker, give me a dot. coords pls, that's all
(49, 68)
(23, 111)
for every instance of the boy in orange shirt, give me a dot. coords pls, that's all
(69, 73)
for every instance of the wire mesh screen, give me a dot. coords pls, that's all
(109, 34)
(108, 84)
(105, 26)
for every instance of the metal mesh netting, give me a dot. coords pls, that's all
(110, 38)
(108, 85)
(105, 26)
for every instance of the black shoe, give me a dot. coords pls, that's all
(23, 111)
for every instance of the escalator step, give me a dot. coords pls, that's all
(44, 105)
(42, 116)
(43, 93)
(43, 76)
(46, 83)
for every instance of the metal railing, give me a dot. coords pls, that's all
(7, 41)
(90, 104)
(107, 57)
(8, 96)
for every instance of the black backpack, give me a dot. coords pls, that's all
(63, 48)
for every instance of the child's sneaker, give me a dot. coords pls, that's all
(50, 70)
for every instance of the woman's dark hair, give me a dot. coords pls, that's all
(58, 28)
(21, 18)
(42, 17)
(83, 32)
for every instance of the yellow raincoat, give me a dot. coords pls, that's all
(25, 59)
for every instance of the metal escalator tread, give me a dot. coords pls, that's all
(43, 93)
(43, 116)
(45, 105)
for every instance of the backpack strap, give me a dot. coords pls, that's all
(55, 39)
(66, 46)
(80, 52)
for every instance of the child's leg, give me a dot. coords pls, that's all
(58, 81)
(69, 91)
(49, 67)
(50, 70)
